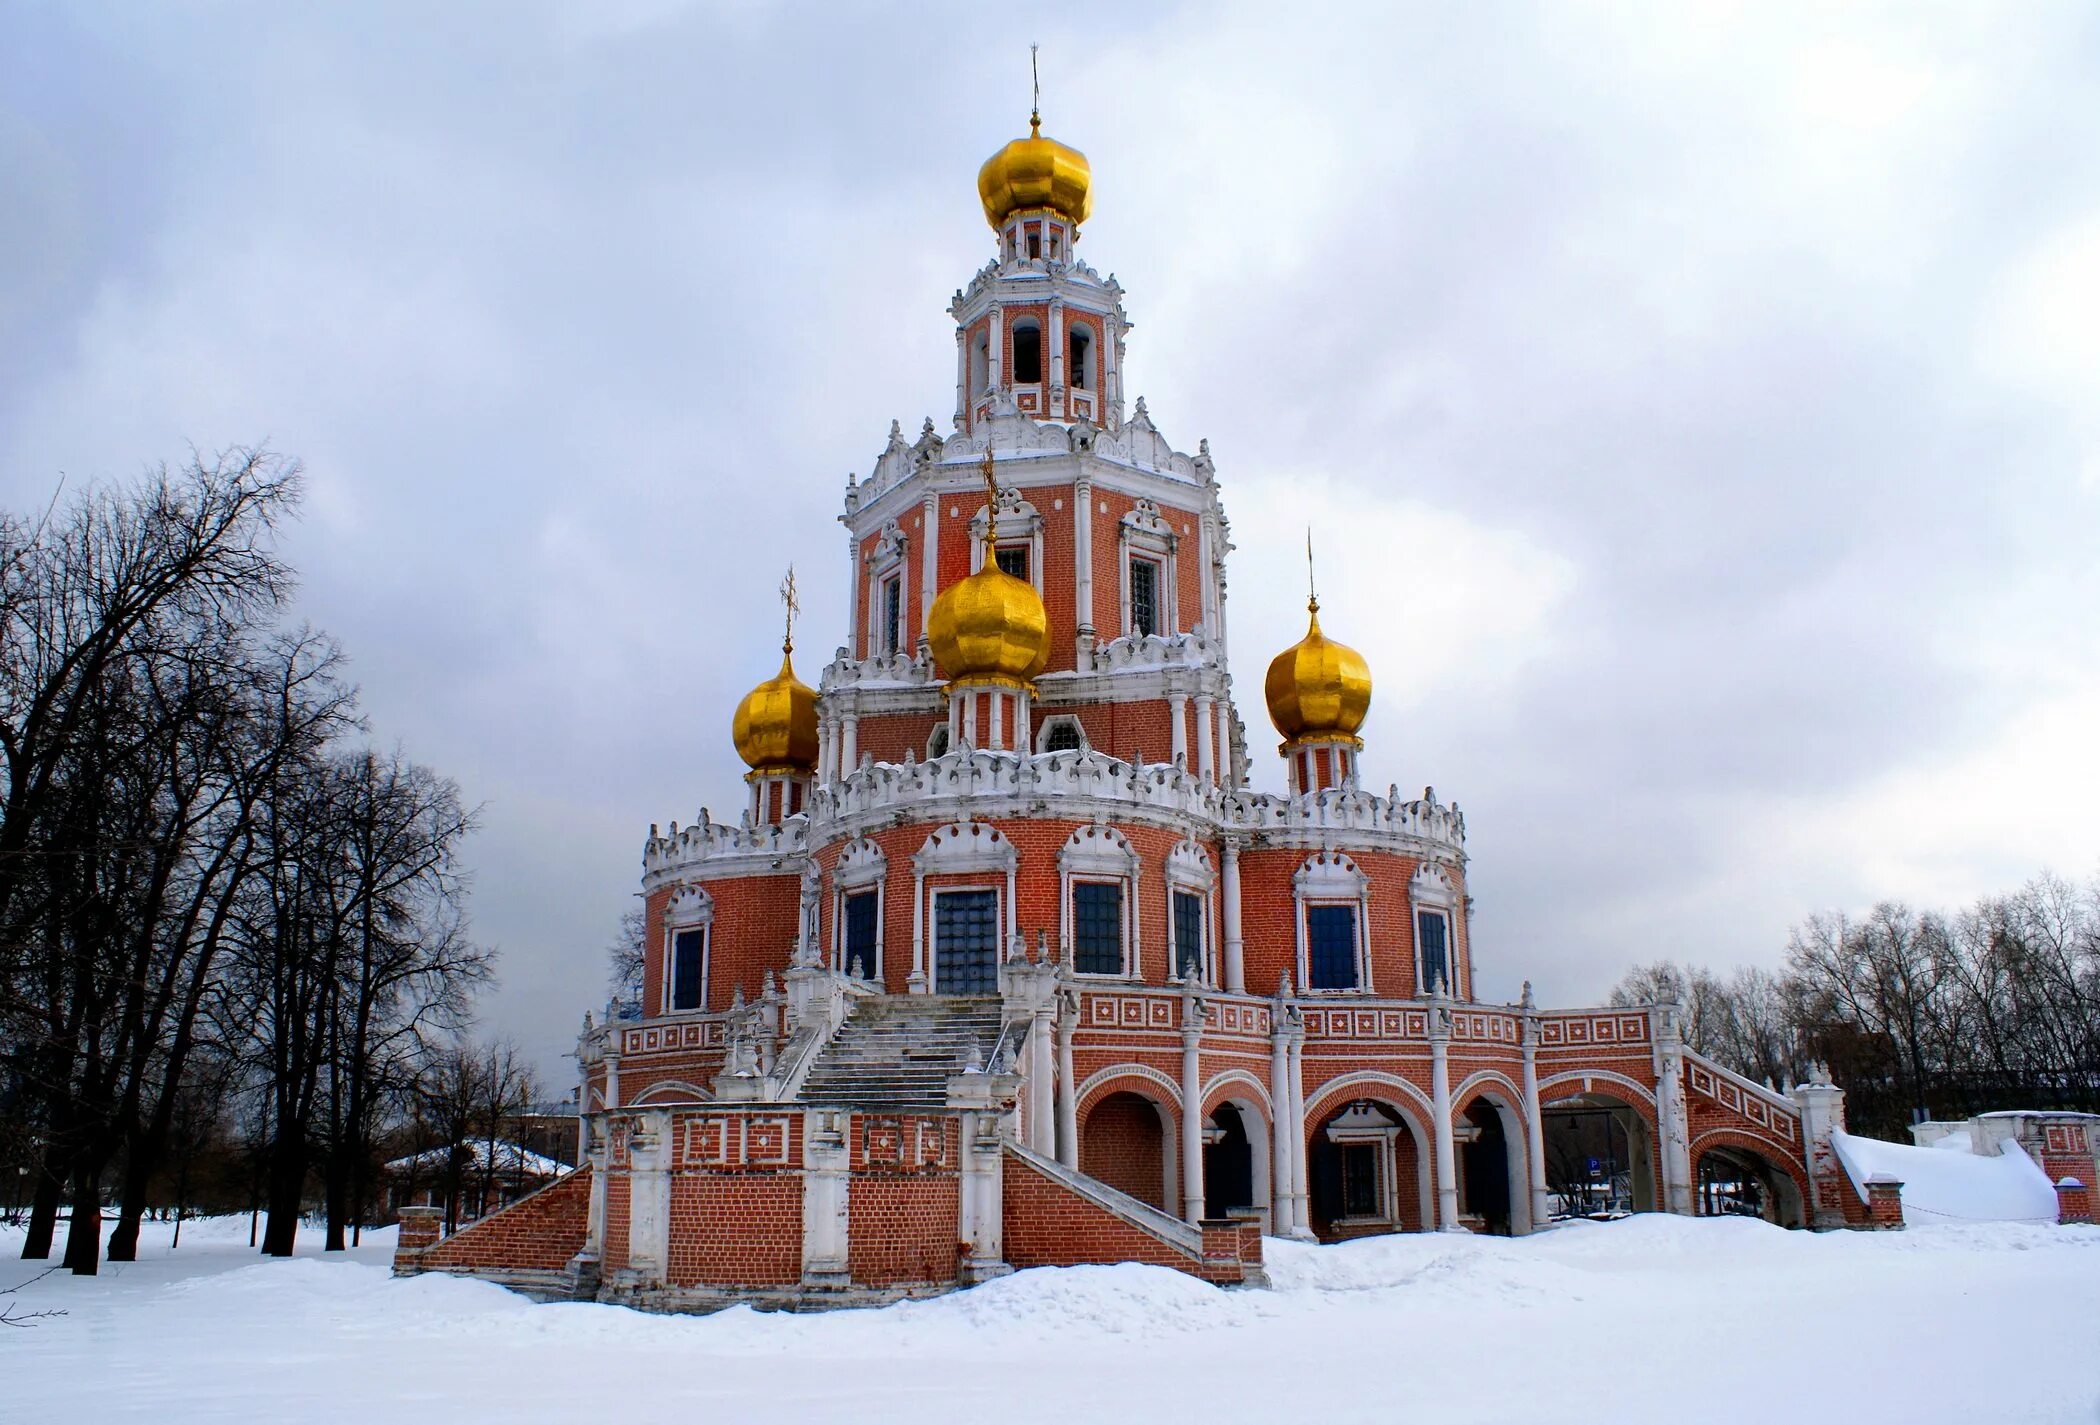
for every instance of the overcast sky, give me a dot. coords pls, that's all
(1698, 409)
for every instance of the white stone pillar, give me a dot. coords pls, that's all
(969, 717)
(995, 707)
(1191, 1110)
(649, 1202)
(1440, 1095)
(854, 579)
(1534, 1123)
(1056, 364)
(929, 562)
(1178, 737)
(917, 983)
(1067, 1085)
(1042, 1121)
(1285, 1131)
(995, 352)
(849, 744)
(1206, 738)
(1083, 558)
(1235, 945)
(826, 1176)
(1673, 1116)
(1301, 1215)
(962, 376)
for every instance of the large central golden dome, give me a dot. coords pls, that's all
(776, 723)
(989, 628)
(1036, 172)
(1318, 688)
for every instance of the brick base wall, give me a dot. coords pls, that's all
(1050, 1225)
(1123, 1145)
(538, 1233)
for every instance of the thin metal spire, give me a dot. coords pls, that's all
(1312, 592)
(1035, 98)
(793, 606)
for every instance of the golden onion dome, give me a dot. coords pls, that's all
(1318, 688)
(1035, 172)
(776, 723)
(990, 627)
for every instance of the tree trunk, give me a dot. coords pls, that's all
(287, 1195)
(43, 1217)
(84, 1231)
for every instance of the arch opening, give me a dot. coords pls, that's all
(1734, 1181)
(1600, 1157)
(1127, 1141)
(1367, 1171)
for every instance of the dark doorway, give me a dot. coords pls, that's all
(1484, 1170)
(1228, 1164)
(966, 942)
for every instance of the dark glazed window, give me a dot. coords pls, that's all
(966, 941)
(860, 933)
(1097, 927)
(1330, 943)
(1064, 736)
(1360, 1180)
(1080, 347)
(1430, 927)
(1028, 354)
(1013, 559)
(1144, 596)
(1188, 934)
(892, 614)
(688, 967)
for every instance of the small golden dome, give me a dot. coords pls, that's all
(990, 627)
(1318, 688)
(776, 723)
(1035, 172)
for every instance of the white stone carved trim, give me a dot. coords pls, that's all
(1330, 875)
(1432, 888)
(1097, 851)
(1100, 853)
(670, 1091)
(1170, 1092)
(1242, 1079)
(1414, 1106)
(1492, 1077)
(689, 908)
(1586, 1077)
(965, 846)
(862, 863)
(1055, 721)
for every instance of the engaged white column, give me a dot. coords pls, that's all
(1440, 1093)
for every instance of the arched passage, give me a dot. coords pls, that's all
(1127, 1139)
(1494, 1180)
(1735, 1176)
(1599, 1150)
(1367, 1168)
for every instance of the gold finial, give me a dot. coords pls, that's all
(793, 606)
(1035, 99)
(991, 503)
(1312, 592)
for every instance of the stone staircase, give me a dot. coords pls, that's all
(899, 1051)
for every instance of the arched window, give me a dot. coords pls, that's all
(688, 919)
(1062, 734)
(937, 743)
(1435, 900)
(1099, 871)
(1081, 348)
(1028, 353)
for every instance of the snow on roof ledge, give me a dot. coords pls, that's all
(1951, 1187)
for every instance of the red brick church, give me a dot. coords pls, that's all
(1005, 964)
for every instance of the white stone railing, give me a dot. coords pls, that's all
(883, 670)
(1175, 650)
(1034, 784)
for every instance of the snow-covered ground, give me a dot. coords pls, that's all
(1651, 1319)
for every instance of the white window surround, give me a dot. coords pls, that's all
(937, 742)
(886, 562)
(1099, 853)
(861, 867)
(1363, 1122)
(1331, 878)
(959, 848)
(1019, 523)
(1430, 889)
(1189, 869)
(1145, 534)
(1057, 720)
(690, 908)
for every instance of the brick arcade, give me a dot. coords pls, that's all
(1005, 964)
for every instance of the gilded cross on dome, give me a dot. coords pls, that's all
(991, 499)
(793, 606)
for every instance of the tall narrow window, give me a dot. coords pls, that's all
(1035, 245)
(1028, 353)
(1097, 927)
(688, 968)
(860, 934)
(981, 364)
(892, 614)
(937, 743)
(1144, 597)
(1013, 559)
(1081, 347)
(966, 942)
(1430, 935)
(1188, 934)
(1330, 945)
(1360, 1194)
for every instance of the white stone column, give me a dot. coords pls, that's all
(1056, 364)
(1067, 1084)
(1178, 737)
(1235, 946)
(1191, 1110)
(854, 579)
(995, 706)
(1301, 1215)
(917, 983)
(962, 375)
(929, 561)
(1042, 1121)
(1534, 1121)
(849, 744)
(1206, 738)
(1286, 1130)
(649, 1203)
(1440, 1095)
(1083, 559)
(1672, 1115)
